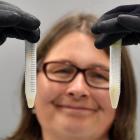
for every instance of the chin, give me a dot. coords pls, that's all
(75, 128)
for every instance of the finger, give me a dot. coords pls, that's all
(123, 9)
(131, 39)
(8, 18)
(5, 3)
(2, 39)
(27, 21)
(136, 11)
(105, 40)
(130, 22)
(114, 13)
(9, 7)
(31, 36)
(109, 26)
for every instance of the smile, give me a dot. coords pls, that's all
(75, 109)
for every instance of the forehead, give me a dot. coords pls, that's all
(78, 48)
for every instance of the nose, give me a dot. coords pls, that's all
(77, 89)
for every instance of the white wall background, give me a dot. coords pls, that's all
(12, 52)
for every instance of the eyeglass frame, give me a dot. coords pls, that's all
(78, 70)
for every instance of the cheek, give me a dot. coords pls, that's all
(102, 98)
(107, 113)
(47, 91)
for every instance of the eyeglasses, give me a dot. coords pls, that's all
(65, 72)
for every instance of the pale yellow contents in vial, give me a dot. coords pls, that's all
(114, 95)
(30, 102)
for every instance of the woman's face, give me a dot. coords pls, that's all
(74, 110)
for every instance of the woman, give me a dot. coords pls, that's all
(72, 101)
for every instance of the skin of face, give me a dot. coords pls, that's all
(74, 111)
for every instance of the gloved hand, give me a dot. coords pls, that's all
(16, 23)
(121, 22)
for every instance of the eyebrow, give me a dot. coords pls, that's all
(102, 66)
(98, 65)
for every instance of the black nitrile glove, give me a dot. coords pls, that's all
(121, 22)
(16, 23)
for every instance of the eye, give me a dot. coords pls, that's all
(63, 71)
(100, 76)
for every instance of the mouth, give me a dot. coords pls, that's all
(76, 108)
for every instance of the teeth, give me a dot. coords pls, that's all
(115, 73)
(30, 73)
